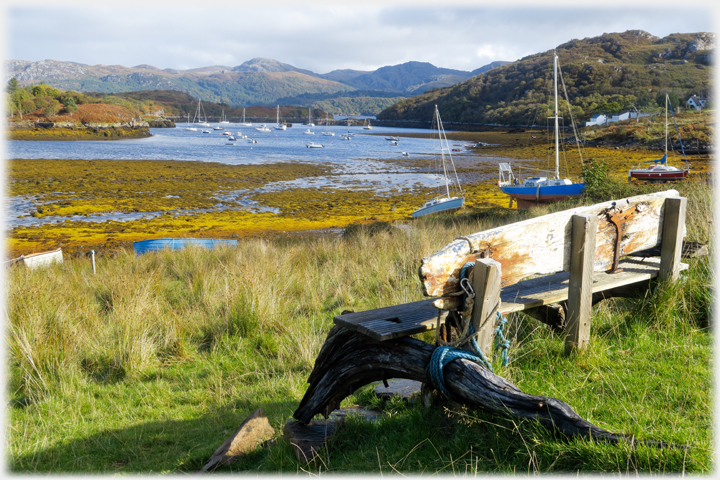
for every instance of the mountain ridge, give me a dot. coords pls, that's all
(259, 81)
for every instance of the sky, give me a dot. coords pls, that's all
(324, 36)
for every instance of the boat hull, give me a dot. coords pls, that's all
(156, 244)
(527, 196)
(42, 259)
(448, 206)
(658, 176)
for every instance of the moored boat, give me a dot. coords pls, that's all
(660, 171)
(447, 203)
(539, 189)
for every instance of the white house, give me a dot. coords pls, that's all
(600, 119)
(597, 119)
(696, 102)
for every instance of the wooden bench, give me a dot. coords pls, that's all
(573, 257)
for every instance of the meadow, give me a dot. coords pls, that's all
(150, 364)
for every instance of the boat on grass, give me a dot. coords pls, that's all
(538, 189)
(158, 244)
(660, 171)
(447, 203)
(40, 259)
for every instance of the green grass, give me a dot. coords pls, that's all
(151, 364)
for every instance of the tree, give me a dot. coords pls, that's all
(69, 105)
(12, 85)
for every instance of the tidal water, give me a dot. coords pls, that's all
(358, 163)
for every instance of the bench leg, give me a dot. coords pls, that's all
(582, 258)
(672, 238)
(486, 283)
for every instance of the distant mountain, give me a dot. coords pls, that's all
(259, 81)
(605, 74)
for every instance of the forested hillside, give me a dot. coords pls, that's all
(605, 74)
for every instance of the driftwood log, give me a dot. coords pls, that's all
(349, 360)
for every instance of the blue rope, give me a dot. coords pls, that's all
(501, 343)
(441, 356)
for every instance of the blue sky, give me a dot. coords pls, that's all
(324, 36)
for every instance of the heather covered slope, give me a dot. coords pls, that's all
(604, 74)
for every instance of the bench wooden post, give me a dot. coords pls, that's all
(582, 257)
(672, 238)
(486, 283)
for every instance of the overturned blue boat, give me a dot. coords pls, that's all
(153, 245)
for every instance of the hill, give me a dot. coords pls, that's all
(259, 81)
(604, 74)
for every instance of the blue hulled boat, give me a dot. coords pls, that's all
(535, 190)
(153, 245)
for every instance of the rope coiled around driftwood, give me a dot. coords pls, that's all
(449, 351)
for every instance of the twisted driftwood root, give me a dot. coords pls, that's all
(349, 360)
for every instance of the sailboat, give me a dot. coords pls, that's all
(193, 129)
(243, 123)
(278, 126)
(445, 203)
(536, 190)
(660, 171)
(326, 133)
(367, 125)
(224, 120)
(198, 112)
(310, 124)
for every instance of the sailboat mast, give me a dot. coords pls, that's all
(667, 97)
(442, 149)
(557, 134)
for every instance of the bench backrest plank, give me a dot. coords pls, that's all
(541, 246)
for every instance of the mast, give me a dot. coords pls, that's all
(666, 124)
(442, 150)
(557, 135)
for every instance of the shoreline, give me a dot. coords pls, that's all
(75, 133)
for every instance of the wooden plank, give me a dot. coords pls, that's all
(486, 283)
(584, 228)
(421, 316)
(541, 245)
(673, 233)
(394, 321)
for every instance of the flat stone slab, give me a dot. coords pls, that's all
(253, 431)
(308, 440)
(399, 387)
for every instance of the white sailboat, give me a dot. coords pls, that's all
(310, 124)
(192, 129)
(538, 189)
(446, 203)
(243, 123)
(224, 120)
(367, 125)
(326, 133)
(278, 126)
(200, 116)
(262, 128)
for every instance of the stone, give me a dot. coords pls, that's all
(400, 387)
(307, 440)
(254, 430)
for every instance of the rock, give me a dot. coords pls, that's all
(253, 431)
(400, 387)
(307, 440)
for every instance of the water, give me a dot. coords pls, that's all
(358, 163)
(275, 146)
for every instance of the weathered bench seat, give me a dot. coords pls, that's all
(564, 258)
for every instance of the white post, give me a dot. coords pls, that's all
(92, 256)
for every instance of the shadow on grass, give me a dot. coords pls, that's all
(150, 447)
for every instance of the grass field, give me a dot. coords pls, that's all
(152, 363)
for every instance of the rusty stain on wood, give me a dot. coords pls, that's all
(541, 245)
